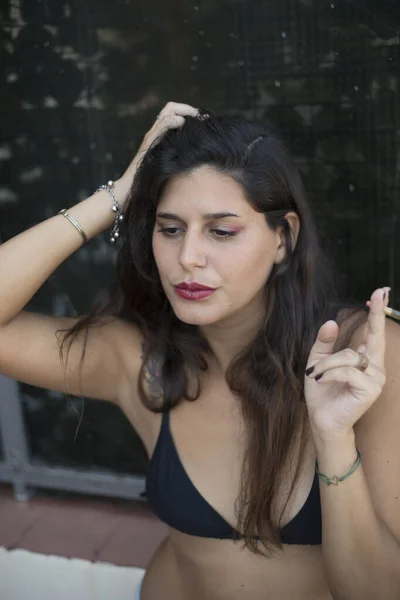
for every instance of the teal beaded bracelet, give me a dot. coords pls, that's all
(335, 479)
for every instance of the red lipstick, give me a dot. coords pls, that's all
(193, 291)
(193, 286)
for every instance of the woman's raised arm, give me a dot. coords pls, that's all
(29, 349)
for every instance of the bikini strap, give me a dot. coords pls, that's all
(164, 429)
(165, 421)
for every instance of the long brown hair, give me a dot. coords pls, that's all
(301, 293)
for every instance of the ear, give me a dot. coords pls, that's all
(294, 224)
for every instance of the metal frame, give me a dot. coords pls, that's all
(25, 476)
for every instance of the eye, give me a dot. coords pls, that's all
(220, 234)
(168, 231)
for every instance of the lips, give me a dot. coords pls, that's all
(194, 286)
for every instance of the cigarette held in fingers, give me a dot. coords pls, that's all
(390, 312)
(395, 314)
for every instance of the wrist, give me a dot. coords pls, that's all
(326, 439)
(325, 445)
(336, 456)
(121, 189)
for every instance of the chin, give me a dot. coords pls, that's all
(196, 315)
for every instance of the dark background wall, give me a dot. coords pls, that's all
(82, 81)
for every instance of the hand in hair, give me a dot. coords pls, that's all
(172, 116)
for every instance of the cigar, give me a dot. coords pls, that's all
(390, 312)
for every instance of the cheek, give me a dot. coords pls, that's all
(251, 264)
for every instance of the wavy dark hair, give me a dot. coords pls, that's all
(301, 293)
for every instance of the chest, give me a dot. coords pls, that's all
(210, 438)
(211, 448)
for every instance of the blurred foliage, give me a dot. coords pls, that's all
(81, 82)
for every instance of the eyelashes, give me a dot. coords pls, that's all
(220, 234)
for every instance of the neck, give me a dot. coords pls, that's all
(229, 337)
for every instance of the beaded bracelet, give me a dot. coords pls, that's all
(109, 187)
(335, 479)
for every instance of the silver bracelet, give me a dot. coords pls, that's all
(109, 187)
(66, 214)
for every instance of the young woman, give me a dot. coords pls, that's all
(255, 389)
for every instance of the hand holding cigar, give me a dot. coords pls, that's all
(390, 312)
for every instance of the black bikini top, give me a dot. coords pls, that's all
(174, 498)
(177, 502)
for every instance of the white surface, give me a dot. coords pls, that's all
(30, 576)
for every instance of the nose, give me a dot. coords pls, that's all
(192, 252)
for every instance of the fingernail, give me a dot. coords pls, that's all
(309, 370)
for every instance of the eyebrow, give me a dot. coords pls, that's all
(207, 216)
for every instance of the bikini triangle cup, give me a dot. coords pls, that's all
(177, 501)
